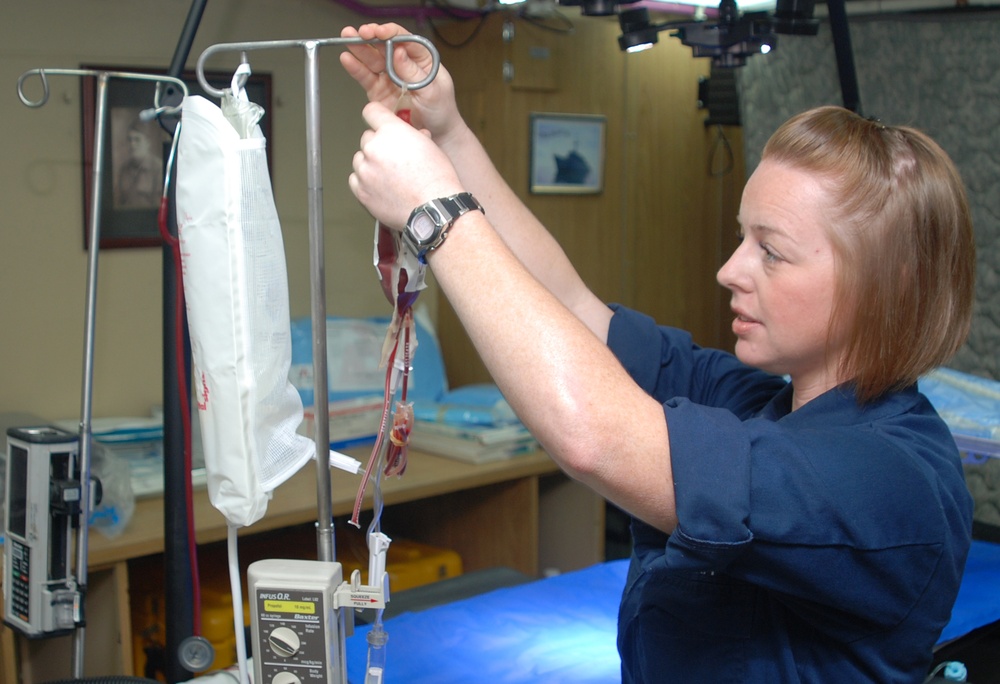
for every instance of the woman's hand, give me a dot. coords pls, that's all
(433, 106)
(398, 168)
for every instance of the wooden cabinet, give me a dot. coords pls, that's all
(521, 513)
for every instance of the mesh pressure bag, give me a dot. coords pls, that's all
(236, 289)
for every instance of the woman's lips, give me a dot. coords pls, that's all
(743, 324)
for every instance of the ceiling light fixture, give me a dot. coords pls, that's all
(728, 42)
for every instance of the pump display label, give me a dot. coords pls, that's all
(290, 607)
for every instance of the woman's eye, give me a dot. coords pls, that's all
(769, 255)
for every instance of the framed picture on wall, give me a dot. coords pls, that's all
(567, 153)
(135, 152)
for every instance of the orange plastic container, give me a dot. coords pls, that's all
(149, 623)
(409, 564)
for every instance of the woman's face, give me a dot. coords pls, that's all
(782, 279)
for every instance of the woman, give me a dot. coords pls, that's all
(813, 529)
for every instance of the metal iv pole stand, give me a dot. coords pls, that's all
(88, 347)
(88, 361)
(324, 530)
(324, 526)
(94, 244)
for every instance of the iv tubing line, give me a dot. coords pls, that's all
(236, 591)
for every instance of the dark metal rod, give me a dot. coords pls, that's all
(845, 56)
(186, 38)
(178, 563)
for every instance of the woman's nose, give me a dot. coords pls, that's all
(727, 276)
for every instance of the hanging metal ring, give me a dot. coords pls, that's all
(390, 69)
(45, 88)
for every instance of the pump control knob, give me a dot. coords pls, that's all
(285, 678)
(285, 642)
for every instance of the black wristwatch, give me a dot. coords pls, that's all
(429, 223)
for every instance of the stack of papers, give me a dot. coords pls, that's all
(138, 441)
(352, 421)
(472, 423)
(969, 405)
(472, 443)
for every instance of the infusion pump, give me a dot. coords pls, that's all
(294, 624)
(42, 509)
(297, 622)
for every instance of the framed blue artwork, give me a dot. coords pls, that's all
(567, 153)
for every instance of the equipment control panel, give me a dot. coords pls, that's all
(42, 510)
(294, 625)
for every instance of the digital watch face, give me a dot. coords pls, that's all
(423, 227)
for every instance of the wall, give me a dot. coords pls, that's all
(655, 236)
(42, 260)
(652, 239)
(939, 72)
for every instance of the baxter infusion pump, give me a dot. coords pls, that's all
(297, 616)
(42, 508)
(294, 626)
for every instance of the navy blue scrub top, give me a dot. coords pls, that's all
(821, 545)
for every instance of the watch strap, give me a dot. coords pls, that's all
(445, 211)
(460, 204)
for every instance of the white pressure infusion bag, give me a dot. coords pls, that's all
(236, 289)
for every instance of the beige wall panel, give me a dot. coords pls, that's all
(655, 236)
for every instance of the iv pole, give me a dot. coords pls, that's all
(317, 273)
(177, 553)
(88, 361)
(94, 246)
(324, 529)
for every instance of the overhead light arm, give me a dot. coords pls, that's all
(728, 42)
(597, 8)
(638, 33)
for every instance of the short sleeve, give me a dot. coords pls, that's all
(711, 467)
(666, 363)
(796, 505)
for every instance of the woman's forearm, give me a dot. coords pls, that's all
(526, 237)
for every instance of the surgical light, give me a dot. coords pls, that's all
(640, 47)
(728, 42)
(745, 5)
(637, 33)
(597, 8)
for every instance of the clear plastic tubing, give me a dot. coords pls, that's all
(377, 639)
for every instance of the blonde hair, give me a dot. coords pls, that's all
(903, 241)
